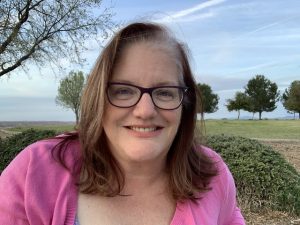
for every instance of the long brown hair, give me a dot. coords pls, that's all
(189, 169)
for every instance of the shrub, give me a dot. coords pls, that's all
(263, 177)
(11, 146)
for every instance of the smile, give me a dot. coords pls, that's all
(143, 129)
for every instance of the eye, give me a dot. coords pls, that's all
(121, 92)
(166, 94)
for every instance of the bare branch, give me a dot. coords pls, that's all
(44, 31)
(19, 62)
(22, 19)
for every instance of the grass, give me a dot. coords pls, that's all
(58, 128)
(265, 129)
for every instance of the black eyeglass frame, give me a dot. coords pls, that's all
(148, 91)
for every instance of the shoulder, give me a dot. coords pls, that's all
(222, 185)
(35, 180)
(209, 153)
(222, 196)
(39, 150)
(214, 157)
(38, 156)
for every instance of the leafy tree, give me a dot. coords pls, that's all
(209, 99)
(250, 107)
(46, 31)
(239, 102)
(262, 93)
(291, 98)
(69, 92)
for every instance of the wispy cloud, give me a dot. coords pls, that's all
(186, 15)
(266, 27)
(196, 8)
(197, 17)
(256, 67)
(276, 63)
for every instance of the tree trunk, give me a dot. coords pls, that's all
(238, 114)
(77, 116)
(259, 115)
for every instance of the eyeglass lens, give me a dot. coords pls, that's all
(124, 95)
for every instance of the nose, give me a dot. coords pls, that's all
(145, 108)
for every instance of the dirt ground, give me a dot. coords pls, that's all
(290, 149)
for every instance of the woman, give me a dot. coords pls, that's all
(135, 158)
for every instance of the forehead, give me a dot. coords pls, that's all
(148, 63)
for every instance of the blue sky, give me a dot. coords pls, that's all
(231, 41)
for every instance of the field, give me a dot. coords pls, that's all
(287, 130)
(19, 126)
(282, 135)
(263, 129)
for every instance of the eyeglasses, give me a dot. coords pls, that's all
(127, 95)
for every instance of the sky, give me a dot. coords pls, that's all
(230, 42)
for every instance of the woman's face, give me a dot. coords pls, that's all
(143, 133)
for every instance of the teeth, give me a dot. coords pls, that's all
(143, 129)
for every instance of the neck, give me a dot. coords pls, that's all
(144, 177)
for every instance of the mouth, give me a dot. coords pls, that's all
(144, 129)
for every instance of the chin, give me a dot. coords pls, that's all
(145, 154)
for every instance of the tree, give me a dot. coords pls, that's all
(69, 92)
(239, 102)
(262, 93)
(209, 99)
(291, 98)
(250, 106)
(47, 31)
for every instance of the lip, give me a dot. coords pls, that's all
(144, 131)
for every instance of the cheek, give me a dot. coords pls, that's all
(173, 117)
(113, 118)
(177, 118)
(109, 118)
(179, 114)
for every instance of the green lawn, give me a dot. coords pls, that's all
(273, 129)
(58, 128)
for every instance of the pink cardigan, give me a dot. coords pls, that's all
(37, 190)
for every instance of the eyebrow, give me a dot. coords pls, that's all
(160, 83)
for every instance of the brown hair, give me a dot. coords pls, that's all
(189, 169)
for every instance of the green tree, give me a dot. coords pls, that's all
(239, 102)
(209, 99)
(291, 98)
(250, 106)
(263, 95)
(69, 92)
(45, 31)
